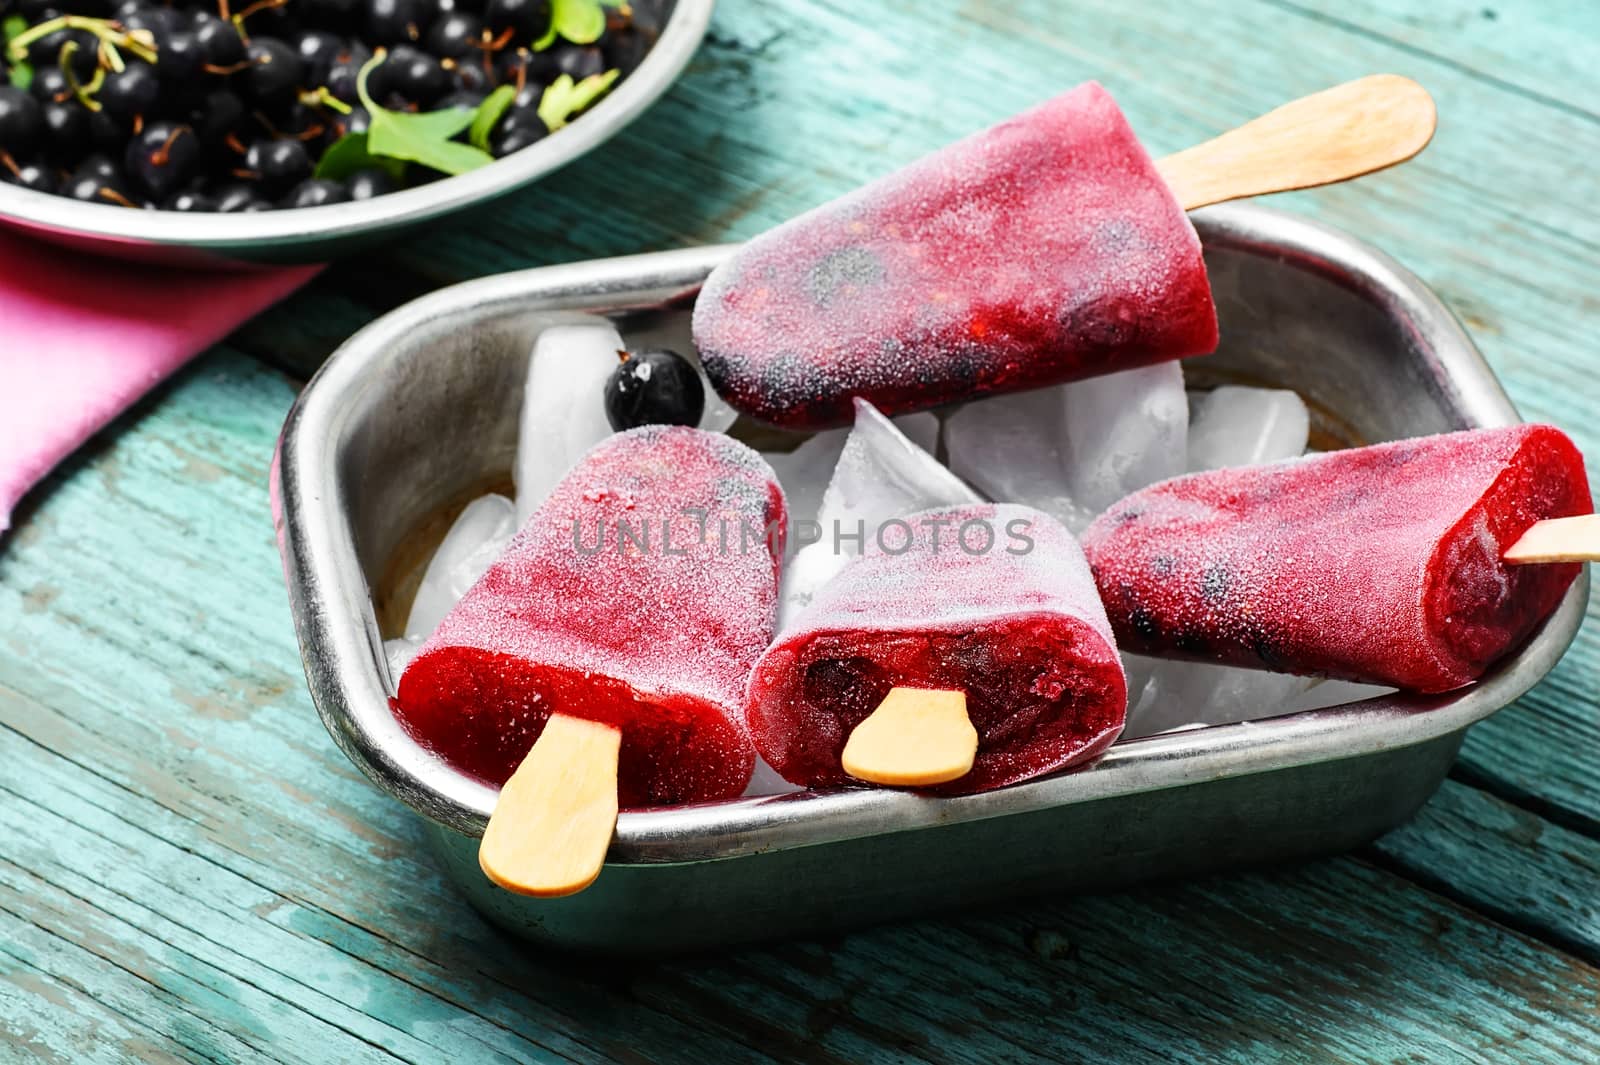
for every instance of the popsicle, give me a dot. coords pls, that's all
(614, 638)
(1046, 249)
(981, 617)
(1385, 565)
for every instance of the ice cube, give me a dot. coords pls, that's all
(563, 410)
(880, 474)
(1186, 693)
(1072, 450)
(1238, 426)
(766, 781)
(398, 653)
(921, 428)
(811, 567)
(474, 541)
(1326, 693)
(806, 471)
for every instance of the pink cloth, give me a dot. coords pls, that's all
(82, 338)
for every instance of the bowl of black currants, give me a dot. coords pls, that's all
(218, 132)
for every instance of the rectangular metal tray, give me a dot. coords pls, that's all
(418, 412)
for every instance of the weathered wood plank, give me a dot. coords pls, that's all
(1504, 861)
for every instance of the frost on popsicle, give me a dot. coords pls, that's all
(1229, 426)
(1073, 450)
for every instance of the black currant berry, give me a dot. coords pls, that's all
(654, 387)
(278, 165)
(317, 193)
(21, 120)
(66, 132)
(412, 75)
(30, 176)
(220, 45)
(274, 72)
(191, 202)
(365, 184)
(456, 35)
(526, 19)
(131, 92)
(392, 22)
(162, 157)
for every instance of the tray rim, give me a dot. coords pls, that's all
(342, 651)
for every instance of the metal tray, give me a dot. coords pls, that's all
(418, 412)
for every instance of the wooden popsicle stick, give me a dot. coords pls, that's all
(1558, 540)
(555, 817)
(915, 737)
(1327, 137)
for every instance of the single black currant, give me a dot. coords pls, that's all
(131, 92)
(654, 387)
(317, 50)
(231, 199)
(190, 201)
(455, 35)
(273, 74)
(526, 19)
(220, 45)
(20, 120)
(365, 184)
(30, 176)
(412, 75)
(317, 193)
(392, 22)
(278, 165)
(161, 157)
(50, 85)
(66, 131)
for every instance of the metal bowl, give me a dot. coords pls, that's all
(317, 234)
(378, 445)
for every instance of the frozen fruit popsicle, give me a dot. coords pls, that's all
(1380, 564)
(1046, 249)
(1042, 250)
(990, 603)
(636, 598)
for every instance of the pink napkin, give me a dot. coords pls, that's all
(81, 338)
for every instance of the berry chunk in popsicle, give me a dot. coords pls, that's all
(636, 598)
(1042, 250)
(991, 603)
(1382, 564)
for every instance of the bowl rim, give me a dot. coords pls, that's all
(349, 682)
(58, 216)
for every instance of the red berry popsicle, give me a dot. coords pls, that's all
(1394, 564)
(636, 598)
(989, 616)
(1046, 249)
(1042, 250)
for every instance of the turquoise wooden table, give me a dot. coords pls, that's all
(190, 871)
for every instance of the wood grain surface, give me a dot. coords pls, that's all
(192, 871)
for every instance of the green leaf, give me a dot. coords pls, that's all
(489, 112)
(21, 73)
(351, 153)
(563, 99)
(425, 138)
(579, 21)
